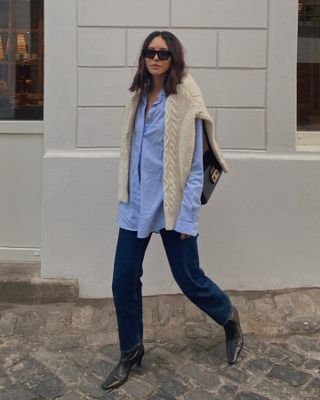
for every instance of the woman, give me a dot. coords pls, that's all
(160, 185)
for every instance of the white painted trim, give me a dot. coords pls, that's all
(268, 156)
(310, 148)
(231, 155)
(22, 127)
(23, 254)
(281, 76)
(61, 74)
(309, 138)
(87, 153)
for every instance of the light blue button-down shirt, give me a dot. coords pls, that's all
(144, 211)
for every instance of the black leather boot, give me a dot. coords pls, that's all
(234, 336)
(120, 373)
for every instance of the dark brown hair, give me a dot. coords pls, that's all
(142, 79)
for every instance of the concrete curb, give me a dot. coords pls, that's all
(38, 290)
(274, 313)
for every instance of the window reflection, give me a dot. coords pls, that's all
(308, 68)
(21, 59)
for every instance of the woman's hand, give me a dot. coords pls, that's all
(184, 236)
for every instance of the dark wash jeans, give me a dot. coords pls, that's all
(184, 263)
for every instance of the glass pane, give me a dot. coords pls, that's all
(21, 59)
(3, 13)
(308, 68)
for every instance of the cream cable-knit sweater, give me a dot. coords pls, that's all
(181, 109)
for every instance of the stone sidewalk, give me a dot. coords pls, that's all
(41, 360)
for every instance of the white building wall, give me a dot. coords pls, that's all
(261, 227)
(20, 191)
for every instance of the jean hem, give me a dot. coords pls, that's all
(229, 315)
(126, 352)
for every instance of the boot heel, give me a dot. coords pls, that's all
(139, 362)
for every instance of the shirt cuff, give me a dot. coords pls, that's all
(186, 227)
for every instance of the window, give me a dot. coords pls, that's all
(21, 59)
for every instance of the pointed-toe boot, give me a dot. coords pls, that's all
(234, 336)
(119, 374)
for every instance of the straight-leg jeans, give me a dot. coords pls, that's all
(183, 259)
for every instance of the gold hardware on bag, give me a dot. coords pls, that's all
(214, 175)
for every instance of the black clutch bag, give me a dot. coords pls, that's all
(211, 167)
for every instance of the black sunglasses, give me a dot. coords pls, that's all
(162, 54)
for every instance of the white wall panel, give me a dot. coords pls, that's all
(80, 205)
(220, 13)
(103, 86)
(99, 127)
(241, 128)
(123, 12)
(101, 47)
(242, 48)
(263, 223)
(232, 88)
(248, 225)
(20, 190)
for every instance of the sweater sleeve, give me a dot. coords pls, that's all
(187, 221)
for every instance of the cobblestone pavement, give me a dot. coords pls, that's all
(68, 368)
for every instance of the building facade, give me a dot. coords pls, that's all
(261, 228)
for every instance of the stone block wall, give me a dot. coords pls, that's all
(166, 317)
(226, 51)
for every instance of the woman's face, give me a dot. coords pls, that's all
(155, 66)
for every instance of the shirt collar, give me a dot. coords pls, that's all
(161, 94)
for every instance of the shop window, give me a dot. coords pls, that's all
(308, 73)
(21, 59)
